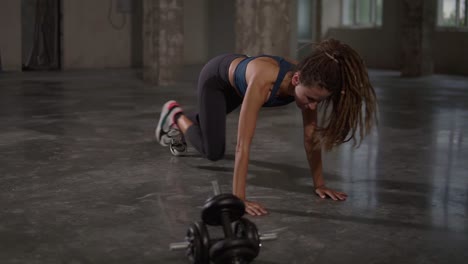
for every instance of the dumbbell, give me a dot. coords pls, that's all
(243, 248)
(198, 242)
(219, 210)
(240, 246)
(216, 208)
(223, 210)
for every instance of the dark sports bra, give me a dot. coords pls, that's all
(241, 83)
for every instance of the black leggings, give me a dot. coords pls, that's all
(216, 98)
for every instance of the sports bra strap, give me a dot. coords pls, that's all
(284, 68)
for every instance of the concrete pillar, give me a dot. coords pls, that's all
(264, 26)
(150, 41)
(163, 38)
(418, 19)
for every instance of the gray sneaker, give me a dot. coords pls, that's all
(177, 145)
(166, 122)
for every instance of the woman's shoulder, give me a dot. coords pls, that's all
(265, 68)
(273, 59)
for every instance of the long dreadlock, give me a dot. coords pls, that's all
(339, 69)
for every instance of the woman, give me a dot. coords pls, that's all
(333, 75)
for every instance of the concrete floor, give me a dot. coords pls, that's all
(83, 181)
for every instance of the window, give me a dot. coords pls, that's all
(361, 12)
(304, 21)
(452, 13)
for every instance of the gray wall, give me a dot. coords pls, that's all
(28, 11)
(221, 27)
(381, 47)
(451, 52)
(10, 35)
(90, 40)
(196, 31)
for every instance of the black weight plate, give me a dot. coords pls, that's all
(198, 237)
(244, 228)
(214, 206)
(229, 250)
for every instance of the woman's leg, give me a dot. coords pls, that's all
(207, 131)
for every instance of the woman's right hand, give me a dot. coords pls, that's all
(255, 209)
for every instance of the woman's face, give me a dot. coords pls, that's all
(308, 97)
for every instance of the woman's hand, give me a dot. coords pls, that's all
(255, 209)
(323, 192)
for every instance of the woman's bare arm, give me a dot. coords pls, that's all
(314, 156)
(259, 84)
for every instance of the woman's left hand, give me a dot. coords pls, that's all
(323, 192)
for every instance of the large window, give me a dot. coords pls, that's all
(453, 13)
(361, 12)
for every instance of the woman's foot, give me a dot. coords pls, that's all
(178, 146)
(167, 123)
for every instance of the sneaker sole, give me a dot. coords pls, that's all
(180, 150)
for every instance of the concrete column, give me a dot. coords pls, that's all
(264, 26)
(418, 18)
(163, 38)
(150, 41)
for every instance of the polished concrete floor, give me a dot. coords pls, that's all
(82, 179)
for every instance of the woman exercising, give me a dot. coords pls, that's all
(334, 75)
